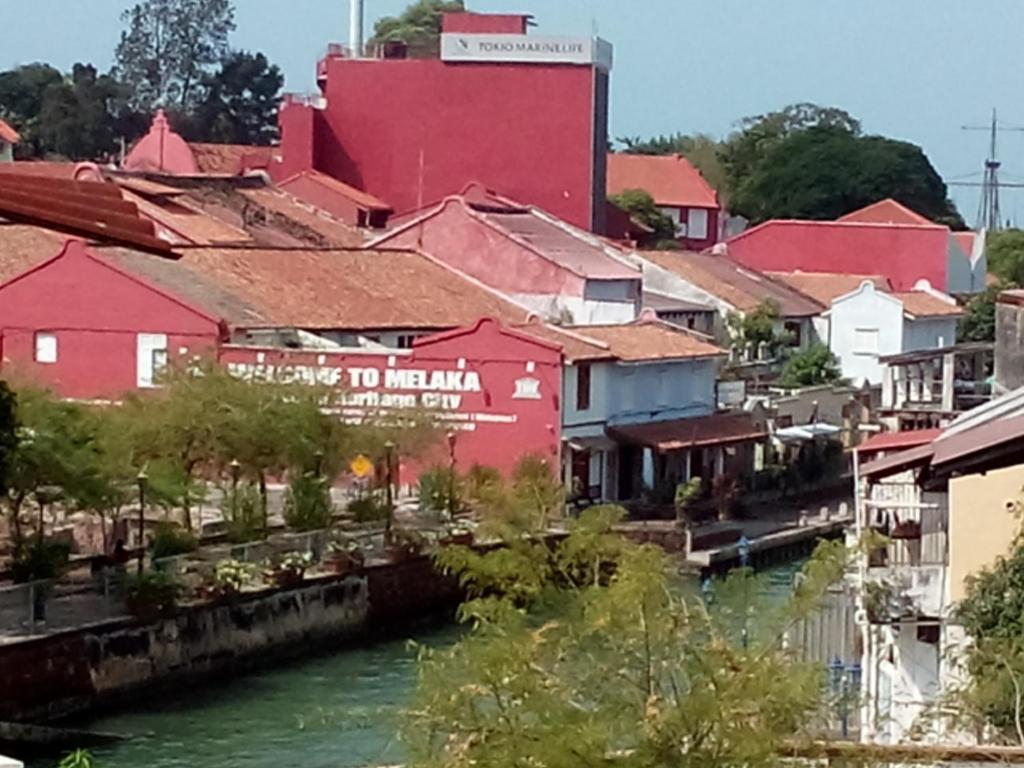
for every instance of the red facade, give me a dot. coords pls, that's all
(95, 313)
(411, 131)
(496, 390)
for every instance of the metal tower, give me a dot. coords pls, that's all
(989, 214)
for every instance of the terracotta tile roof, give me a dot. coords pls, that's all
(902, 253)
(716, 429)
(924, 304)
(7, 134)
(333, 186)
(722, 277)
(324, 228)
(575, 347)
(230, 159)
(670, 179)
(83, 208)
(886, 211)
(24, 246)
(823, 287)
(895, 441)
(648, 340)
(182, 222)
(349, 289)
(55, 170)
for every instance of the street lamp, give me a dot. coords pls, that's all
(318, 458)
(452, 437)
(389, 502)
(141, 479)
(236, 472)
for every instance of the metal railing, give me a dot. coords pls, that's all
(50, 605)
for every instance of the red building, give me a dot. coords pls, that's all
(525, 114)
(679, 190)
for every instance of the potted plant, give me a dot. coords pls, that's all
(404, 545)
(291, 570)
(345, 557)
(229, 577)
(459, 533)
(151, 595)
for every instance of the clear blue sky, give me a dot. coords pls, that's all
(912, 69)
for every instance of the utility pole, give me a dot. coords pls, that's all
(989, 214)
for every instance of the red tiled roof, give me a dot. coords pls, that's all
(85, 208)
(716, 429)
(24, 246)
(640, 341)
(745, 289)
(333, 186)
(8, 134)
(349, 289)
(886, 211)
(895, 441)
(45, 168)
(670, 179)
(902, 253)
(924, 304)
(230, 159)
(823, 287)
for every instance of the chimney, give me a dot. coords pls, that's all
(355, 27)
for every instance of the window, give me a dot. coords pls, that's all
(583, 387)
(697, 223)
(792, 329)
(405, 340)
(664, 387)
(150, 358)
(46, 348)
(865, 341)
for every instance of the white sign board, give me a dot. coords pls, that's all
(526, 49)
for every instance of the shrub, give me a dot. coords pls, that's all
(40, 559)
(170, 540)
(307, 503)
(367, 509)
(243, 514)
(439, 490)
(152, 593)
(231, 575)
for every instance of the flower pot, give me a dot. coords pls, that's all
(344, 563)
(288, 578)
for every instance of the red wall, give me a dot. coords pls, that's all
(413, 131)
(95, 311)
(694, 244)
(493, 427)
(455, 237)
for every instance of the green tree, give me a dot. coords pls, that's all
(21, 101)
(979, 320)
(8, 433)
(167, 48)
(1005, 253)
(239, 102)
(419, 26)
(825, 172)
(704, 151)
(639, 204)
(757, 136)
(755, 330)
(811, 367)
(592, 647)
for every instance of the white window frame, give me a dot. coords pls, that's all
(150, 358)
(47, 350)
(865, 341)
(697, 223)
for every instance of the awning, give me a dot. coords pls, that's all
(898, 462)
(716, 429)
(805, 432)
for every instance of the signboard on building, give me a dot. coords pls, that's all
(526, 49)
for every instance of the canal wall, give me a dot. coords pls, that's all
(111, 662)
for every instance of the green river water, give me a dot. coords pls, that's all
(330, 711)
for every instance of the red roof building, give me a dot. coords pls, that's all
(538, 260)
(901, 253)
(678, 189)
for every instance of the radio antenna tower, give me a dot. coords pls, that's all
(989, 214)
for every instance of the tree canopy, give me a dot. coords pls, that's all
(702, 150)
(167, 48)
(1005, 252)
(239, 102)
(592, 646)
(419, 26)
(979, 320)
(639, 204)
(811, 367)
(825, 172)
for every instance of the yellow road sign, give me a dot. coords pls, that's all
(361, 466)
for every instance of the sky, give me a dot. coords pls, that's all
(917, 70)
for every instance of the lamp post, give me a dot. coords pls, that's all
(389, 502)
(452, 438)
(236, 473)
(318, 458)
(141, 479)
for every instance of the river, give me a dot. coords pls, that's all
(331, 711)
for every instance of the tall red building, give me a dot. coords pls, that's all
(521, 113)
